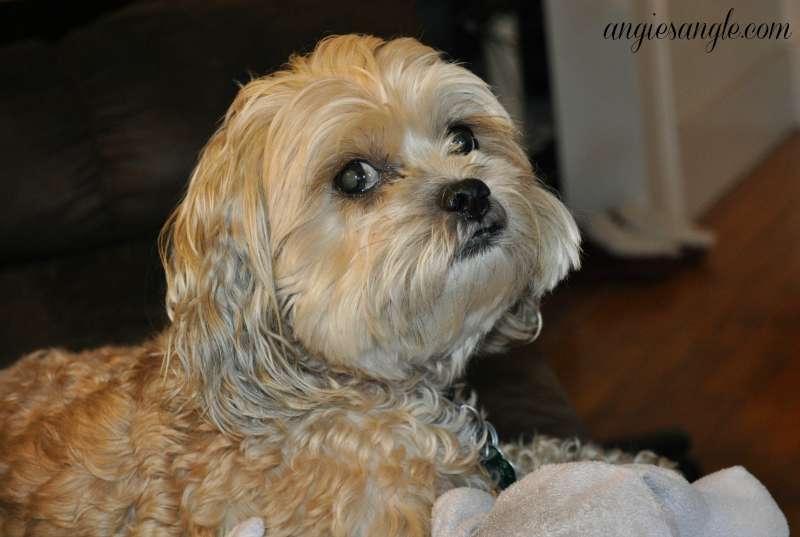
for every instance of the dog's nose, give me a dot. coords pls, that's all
(468, 197)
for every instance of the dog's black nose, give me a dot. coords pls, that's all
(468, 197)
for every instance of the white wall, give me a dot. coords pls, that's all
(733, 104)
(597, 106)
(791, 11)
(670, 125)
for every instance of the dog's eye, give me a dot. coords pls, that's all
(357, 177)
(462, 141)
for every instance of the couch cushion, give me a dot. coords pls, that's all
(49, 188)
(86, 299)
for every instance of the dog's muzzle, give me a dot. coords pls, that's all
(484, 235)
(481, 219)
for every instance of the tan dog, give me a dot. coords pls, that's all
(359, 225)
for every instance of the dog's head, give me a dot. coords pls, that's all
(369, 206)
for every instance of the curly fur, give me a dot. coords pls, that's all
(542, 450)
(312, 335)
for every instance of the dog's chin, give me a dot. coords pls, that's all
(482, 236)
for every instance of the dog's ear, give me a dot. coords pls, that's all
(227, 331)
(557, 243)
(519, 325)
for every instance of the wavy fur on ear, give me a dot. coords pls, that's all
(519, 325)
(559, 252)
(227, 331)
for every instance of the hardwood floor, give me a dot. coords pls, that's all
(714, 349)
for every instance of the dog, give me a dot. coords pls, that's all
(362, 222)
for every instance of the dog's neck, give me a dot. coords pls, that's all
(315, 385)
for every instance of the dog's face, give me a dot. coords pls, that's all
(376, 200)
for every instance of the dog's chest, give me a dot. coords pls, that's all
(367, 471)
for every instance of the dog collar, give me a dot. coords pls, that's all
(501, 471)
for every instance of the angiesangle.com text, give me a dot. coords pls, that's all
(712, 32)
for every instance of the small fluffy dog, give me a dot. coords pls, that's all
(360, 224)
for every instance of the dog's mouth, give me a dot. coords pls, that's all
(484, 236)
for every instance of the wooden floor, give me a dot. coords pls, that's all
(714, 350)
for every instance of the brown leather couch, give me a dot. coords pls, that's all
(99, 130)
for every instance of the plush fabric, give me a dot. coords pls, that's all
(591, 499)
